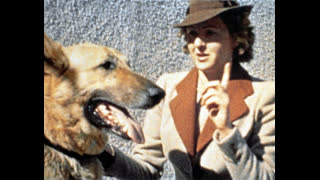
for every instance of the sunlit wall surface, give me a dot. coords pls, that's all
(142, 30)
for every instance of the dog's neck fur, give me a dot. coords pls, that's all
(67, 152)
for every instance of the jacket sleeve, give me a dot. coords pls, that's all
(146, 161)
(255, 158)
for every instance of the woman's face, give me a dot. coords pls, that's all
(210, 44)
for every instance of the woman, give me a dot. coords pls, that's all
(216, 121)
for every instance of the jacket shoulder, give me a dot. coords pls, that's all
(171, 79)
(263, 86)
(264, 91)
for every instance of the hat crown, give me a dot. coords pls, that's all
(202, 10)
(200, 5)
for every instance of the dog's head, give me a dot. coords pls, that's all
(87, 89)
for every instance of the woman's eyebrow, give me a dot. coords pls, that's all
(212, 26)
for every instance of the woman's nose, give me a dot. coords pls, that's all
(200, 44)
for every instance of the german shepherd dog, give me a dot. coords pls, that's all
(87, 88)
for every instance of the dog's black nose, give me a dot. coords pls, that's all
(156, 94)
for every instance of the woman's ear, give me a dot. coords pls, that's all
(242, 45)
(241, 51)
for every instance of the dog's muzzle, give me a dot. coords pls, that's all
(154, 95)
(103, 111)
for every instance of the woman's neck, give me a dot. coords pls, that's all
(204, 78)
(210, 75)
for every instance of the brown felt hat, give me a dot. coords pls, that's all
(202, 10)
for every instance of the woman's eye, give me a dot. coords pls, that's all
(108, 65)
(193, 33)
(210, 33)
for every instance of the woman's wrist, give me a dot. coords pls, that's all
(223, 132)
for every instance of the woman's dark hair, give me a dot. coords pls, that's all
(238, 24)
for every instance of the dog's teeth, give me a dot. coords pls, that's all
(105, 112)
(115, 120)
(102, 107)
(110, 117)
(125, 129)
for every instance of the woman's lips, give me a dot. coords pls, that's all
(202, 57)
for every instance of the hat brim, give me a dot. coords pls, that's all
(204, 15)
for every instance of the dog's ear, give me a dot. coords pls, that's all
(55, 60)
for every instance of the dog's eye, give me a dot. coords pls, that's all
(108, 65)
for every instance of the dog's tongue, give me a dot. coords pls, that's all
(121, 118)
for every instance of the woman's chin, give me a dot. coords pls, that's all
(204, 66)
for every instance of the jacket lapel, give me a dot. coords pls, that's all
(183, 110)
(239, 88)
(183, 107)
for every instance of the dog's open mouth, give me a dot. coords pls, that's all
(104, 114)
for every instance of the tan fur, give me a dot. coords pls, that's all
(59, 166)
(70, 77)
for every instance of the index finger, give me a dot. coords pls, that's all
(226, 75)
(209, 85)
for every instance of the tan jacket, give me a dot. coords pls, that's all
(247, 153)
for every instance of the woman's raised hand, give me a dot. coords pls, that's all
(216, 99)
